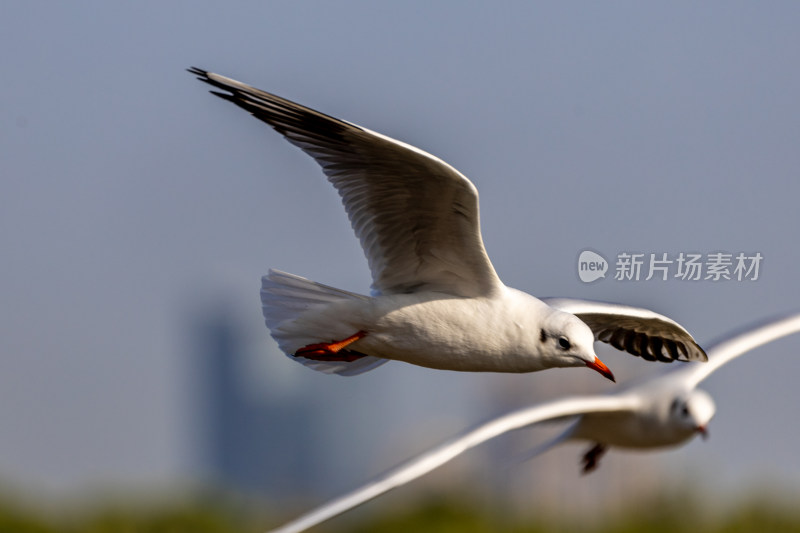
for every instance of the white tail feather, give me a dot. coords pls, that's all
(286, 298)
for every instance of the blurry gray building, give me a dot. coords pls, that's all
(244, 443)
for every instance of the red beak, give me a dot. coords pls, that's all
(599, 366)
(703, 432)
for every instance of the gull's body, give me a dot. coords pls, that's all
(497, 329)
(436, 300)
(664, 411)
(670, 408)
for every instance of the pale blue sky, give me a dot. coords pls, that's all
(130, 197)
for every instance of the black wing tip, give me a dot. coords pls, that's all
(205, 76)
(198, 71)
(700, 354)
(654, 348)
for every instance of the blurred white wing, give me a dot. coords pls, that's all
(634, 330)
(734, 346)
(454, 447)
(415, 215)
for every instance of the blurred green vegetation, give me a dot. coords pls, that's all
(446, 515)
(662, 516)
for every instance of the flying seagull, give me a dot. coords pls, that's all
(664, 411)
(436, 300)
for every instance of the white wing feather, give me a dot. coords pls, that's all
(436, 457)
(732, 347)
(415, 216)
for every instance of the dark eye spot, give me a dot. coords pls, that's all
(685, 411)
(563, 342)
(542, 335)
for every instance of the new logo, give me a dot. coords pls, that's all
(591, 266)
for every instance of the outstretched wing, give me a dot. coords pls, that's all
(733, 346)
(432, 459)
(415, 215)
(637, 331)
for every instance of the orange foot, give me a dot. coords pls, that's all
(333, 351)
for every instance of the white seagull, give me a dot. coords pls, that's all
(436, 299)
(667, 410)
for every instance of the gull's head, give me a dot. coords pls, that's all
(691, 413)
(569, 342)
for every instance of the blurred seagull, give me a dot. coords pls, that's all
(667, 410)
(436, 299)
